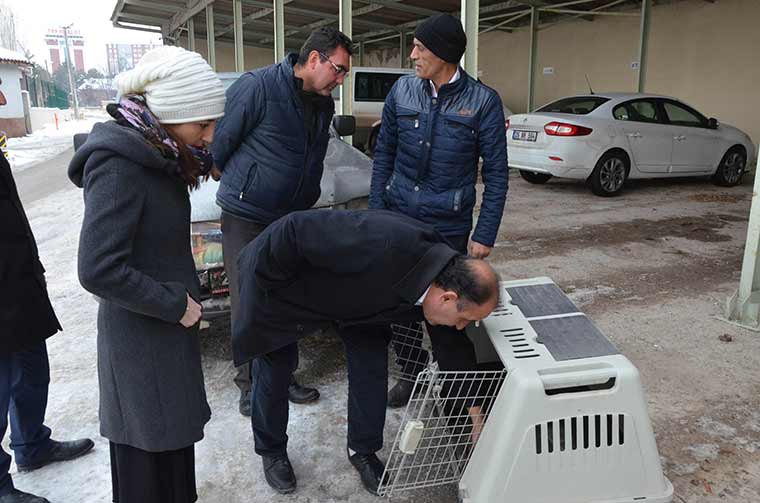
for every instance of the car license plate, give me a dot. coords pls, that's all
(524, 135)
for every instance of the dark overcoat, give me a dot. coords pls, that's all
(134, 254)
(317, 267)
(26, 316)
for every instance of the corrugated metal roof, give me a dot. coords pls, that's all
(373, 20)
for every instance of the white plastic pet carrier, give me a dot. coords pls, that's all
(564, 422)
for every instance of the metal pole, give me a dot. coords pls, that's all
(743, 307)
(72, 82)
(361, 53)
(403, 56)
(532, 57)
(646, 8)
(191, 35)
(470, 20)
(210, 37)
(346, 94)
(237, 14)
(279, 30)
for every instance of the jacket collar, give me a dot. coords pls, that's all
(450, 88)
(421, 276)
(287, 65)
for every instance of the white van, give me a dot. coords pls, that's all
(370, 87)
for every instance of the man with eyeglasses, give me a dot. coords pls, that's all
(269, 150)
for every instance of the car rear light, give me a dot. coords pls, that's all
(555, 158)
(564, 129)
(506, 123)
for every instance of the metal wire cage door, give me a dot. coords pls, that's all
(410, 351)
(440, 428)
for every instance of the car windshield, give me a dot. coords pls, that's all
(578, 105)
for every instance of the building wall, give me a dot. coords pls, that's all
(702, 53)
(12, 114)
(253, 57)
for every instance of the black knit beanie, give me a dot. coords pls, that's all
(443, 34)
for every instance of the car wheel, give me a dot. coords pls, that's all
(533, 177)
(609, 174)
(731, 168)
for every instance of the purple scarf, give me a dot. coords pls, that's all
(131, 111)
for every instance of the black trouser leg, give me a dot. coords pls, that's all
(366, 353)
(236, 233)
(269, 412)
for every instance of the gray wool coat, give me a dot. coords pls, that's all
(135, 255)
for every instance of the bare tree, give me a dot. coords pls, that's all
(7, 27)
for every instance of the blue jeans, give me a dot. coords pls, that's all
(24, 379)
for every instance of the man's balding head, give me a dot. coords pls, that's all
(466, 290)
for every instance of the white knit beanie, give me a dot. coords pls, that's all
(178, 85)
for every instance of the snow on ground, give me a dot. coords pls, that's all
(48, 142)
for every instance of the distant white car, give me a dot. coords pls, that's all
(609, 138)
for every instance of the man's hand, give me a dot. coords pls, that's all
(477, 250)
(215, 173)
(192, 313)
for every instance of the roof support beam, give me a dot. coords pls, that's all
(210, 38)
(532, 57)
(193, 8)
(237, 14)
(191, 34)
(585, 13)
(646, 9)
(470, 20)
(397, 5)
(279, 30)
(154, 6)
(346, 94)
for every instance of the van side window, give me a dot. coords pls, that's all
(373, 86)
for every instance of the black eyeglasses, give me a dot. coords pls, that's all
(338, 69)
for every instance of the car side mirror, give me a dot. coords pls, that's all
(345, 125)
(712, 123)
(79, 140)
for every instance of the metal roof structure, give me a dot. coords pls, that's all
(374, 21)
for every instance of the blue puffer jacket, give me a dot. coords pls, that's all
(261, 145)
(426, 157)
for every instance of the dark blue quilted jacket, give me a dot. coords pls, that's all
(269, 168)
(426, 157)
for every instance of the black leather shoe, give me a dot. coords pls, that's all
(302, 394)
(16, 496)
(399, 395)
(370, 470)
(61, 451)
(279, 474)
(245, 404)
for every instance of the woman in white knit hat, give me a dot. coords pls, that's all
(134, 254)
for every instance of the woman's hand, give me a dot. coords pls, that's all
(192, 313)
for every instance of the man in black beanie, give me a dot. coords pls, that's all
(435, 127)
